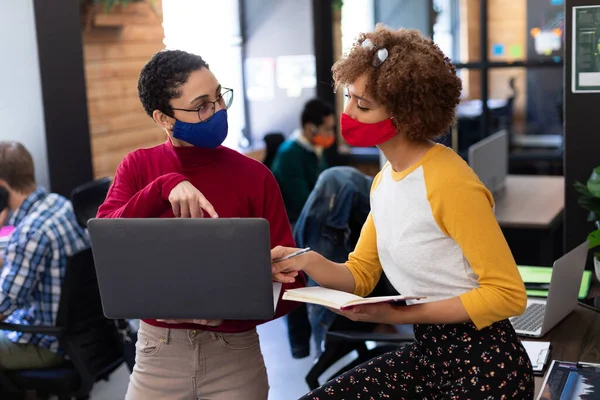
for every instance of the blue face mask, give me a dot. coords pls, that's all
(209, 134)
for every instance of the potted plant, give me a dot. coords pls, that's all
(589, 199)
(109, 5)
(107, 13)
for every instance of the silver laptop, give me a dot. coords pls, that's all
(542, 315)
(489, 160)
(183, 268)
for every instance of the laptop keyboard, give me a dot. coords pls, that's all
(532, 318)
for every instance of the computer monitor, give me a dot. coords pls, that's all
(489, 159)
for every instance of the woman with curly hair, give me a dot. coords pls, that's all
(432, 230)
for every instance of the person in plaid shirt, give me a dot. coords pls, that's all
(46, 234)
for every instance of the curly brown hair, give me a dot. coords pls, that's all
(417, 83)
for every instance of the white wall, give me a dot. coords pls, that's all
(21, 107)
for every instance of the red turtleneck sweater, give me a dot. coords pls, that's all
(236, 186)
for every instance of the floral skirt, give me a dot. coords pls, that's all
(444, 362)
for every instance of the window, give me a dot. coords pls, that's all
(445, 27)
(358, 16)
(213, 33)
(518, 79)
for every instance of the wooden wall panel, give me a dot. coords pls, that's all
(129, 139)
(111, 69)
(119, 122)
(116, 46)
(109, 161)
(111, 106)
(470, 45)
(111, 88)
(127, 34)
(507, 24)
(107, 51)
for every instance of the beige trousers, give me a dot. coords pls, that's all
(178, 364)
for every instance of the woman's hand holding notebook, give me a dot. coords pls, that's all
(338, 300)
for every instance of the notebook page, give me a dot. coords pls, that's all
(317, 293)
(382, 299)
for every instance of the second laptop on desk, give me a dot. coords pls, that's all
(183, 268)
(542, 315)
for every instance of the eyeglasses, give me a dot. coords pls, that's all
(207, 109)
(380, 55)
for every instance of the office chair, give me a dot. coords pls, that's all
(272, 143)
(88, 197)
(86, 200)
(91, 343)
(330, 223)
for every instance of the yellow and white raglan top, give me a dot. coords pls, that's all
(432, 229)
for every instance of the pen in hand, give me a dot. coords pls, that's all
(292, 255)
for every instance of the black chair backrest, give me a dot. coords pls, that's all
(272, 143)
(88, 197)
(91, 341)
(80, 298)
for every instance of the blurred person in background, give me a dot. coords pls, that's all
(299, 160)
(297, 165)
(46, 233)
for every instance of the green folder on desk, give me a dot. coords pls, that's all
(542, 275)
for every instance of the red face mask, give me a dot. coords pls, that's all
(323, 141)
(360, 134)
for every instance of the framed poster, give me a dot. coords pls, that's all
(586, 50)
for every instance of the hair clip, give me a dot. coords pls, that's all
(380, 55)
(368, 44)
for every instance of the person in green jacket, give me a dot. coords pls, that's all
(299, 160)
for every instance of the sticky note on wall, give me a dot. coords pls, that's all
(498, 50)
(515, 51)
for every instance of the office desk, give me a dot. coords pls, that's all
(533, 202)
(530, 209)
(474, 108)
(576, 338)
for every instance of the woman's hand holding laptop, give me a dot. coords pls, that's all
(188, 202)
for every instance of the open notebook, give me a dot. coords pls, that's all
(337, 299)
